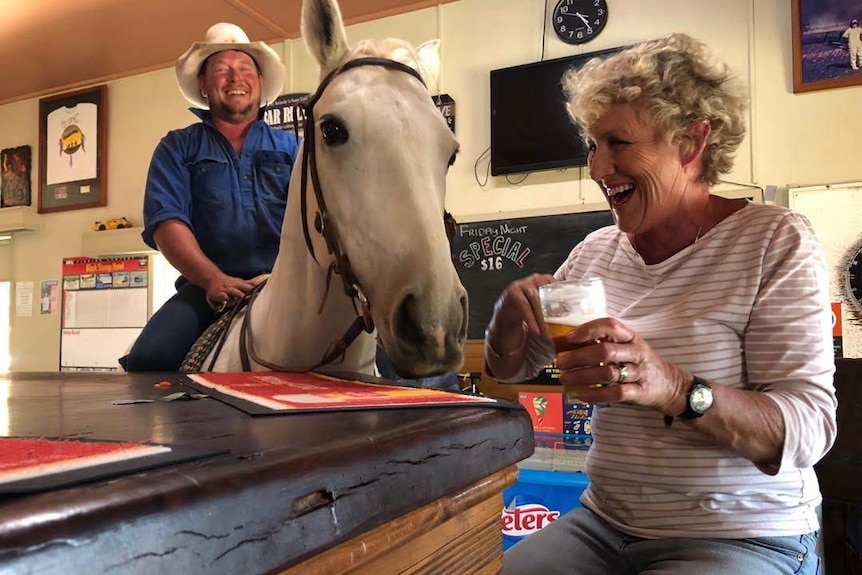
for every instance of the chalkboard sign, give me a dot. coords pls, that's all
(490, 255)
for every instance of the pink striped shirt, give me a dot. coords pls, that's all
(746, 306)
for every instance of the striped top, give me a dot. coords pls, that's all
(746, 306)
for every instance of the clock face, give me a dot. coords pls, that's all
(579, 21)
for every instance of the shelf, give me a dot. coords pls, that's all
(122, 242)
(19, 219)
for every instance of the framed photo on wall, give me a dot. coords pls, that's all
(15, 176)
(827, 44)
(73, 150)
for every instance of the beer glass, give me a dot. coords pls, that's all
(567, 304)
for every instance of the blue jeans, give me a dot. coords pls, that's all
(581, 542)
(172, 331)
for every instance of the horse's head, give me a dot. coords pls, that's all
(382, 151)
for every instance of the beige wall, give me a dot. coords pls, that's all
(801, 139)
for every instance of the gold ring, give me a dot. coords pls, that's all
(624, 374)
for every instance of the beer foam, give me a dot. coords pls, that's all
(576, 319)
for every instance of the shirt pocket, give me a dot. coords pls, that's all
(274, 168)
(212, 181)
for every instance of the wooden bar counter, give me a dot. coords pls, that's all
(416, 490)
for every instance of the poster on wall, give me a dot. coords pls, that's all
(103, 311)
(23, 299)
(49, 296)
(446, 104)
(829, 208)
(837, 337)
(287, 112)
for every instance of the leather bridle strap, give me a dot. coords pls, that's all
(340, 264)
(246, 341)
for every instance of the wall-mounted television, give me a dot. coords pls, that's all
(530, 128)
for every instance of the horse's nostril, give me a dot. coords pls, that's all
(407, 324)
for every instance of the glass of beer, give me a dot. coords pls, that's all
(567, 304)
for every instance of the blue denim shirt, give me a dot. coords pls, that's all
(233, 204)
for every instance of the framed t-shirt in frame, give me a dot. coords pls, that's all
(73, 150)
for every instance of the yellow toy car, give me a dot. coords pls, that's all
(112, 224)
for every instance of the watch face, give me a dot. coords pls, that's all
(701, 398)
(579, 21)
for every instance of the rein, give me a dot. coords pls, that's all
(341, 263)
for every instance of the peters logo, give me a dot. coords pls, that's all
(519, 520)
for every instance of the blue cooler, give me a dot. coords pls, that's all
(538, 498)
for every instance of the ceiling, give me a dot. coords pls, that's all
(51, 46)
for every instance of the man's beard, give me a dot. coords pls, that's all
(231, 113)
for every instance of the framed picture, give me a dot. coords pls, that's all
(827, 44)
(73, 150)
(15, 176)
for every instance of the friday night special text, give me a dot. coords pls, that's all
(493, 242)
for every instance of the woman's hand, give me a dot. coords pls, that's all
(606, 362)
(519, 308)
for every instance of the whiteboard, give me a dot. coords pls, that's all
(105, 308)
(103, 313)
(95, 348)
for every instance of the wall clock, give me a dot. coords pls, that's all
(579, 21)
(851, 279)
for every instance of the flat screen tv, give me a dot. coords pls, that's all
(530, 128)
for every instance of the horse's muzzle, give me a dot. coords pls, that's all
(427, 343)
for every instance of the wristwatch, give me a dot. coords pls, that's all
(697, 401)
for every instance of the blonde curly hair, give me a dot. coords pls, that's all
(677, 80)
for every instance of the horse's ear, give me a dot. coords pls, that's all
(429, 63)
(323, 33)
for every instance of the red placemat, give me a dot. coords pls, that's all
(268, 392)
(29, 464)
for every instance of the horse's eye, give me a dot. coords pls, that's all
(334, 133)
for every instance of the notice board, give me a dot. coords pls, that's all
(105, 306)
(491, 254)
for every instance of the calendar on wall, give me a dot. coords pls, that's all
(105, 307)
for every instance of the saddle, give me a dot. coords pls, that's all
(214, 336)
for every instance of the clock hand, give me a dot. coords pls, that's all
(585, 21)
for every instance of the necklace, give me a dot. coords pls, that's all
(634, 243)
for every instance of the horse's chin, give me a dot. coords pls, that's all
(411, 364)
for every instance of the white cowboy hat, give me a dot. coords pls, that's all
(225, 36)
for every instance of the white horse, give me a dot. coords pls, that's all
(381, 150)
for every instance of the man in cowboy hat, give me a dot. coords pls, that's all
(216, 191)
(853, 34)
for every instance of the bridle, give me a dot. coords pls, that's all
(340, 264)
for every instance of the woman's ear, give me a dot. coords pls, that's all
(693, 141)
